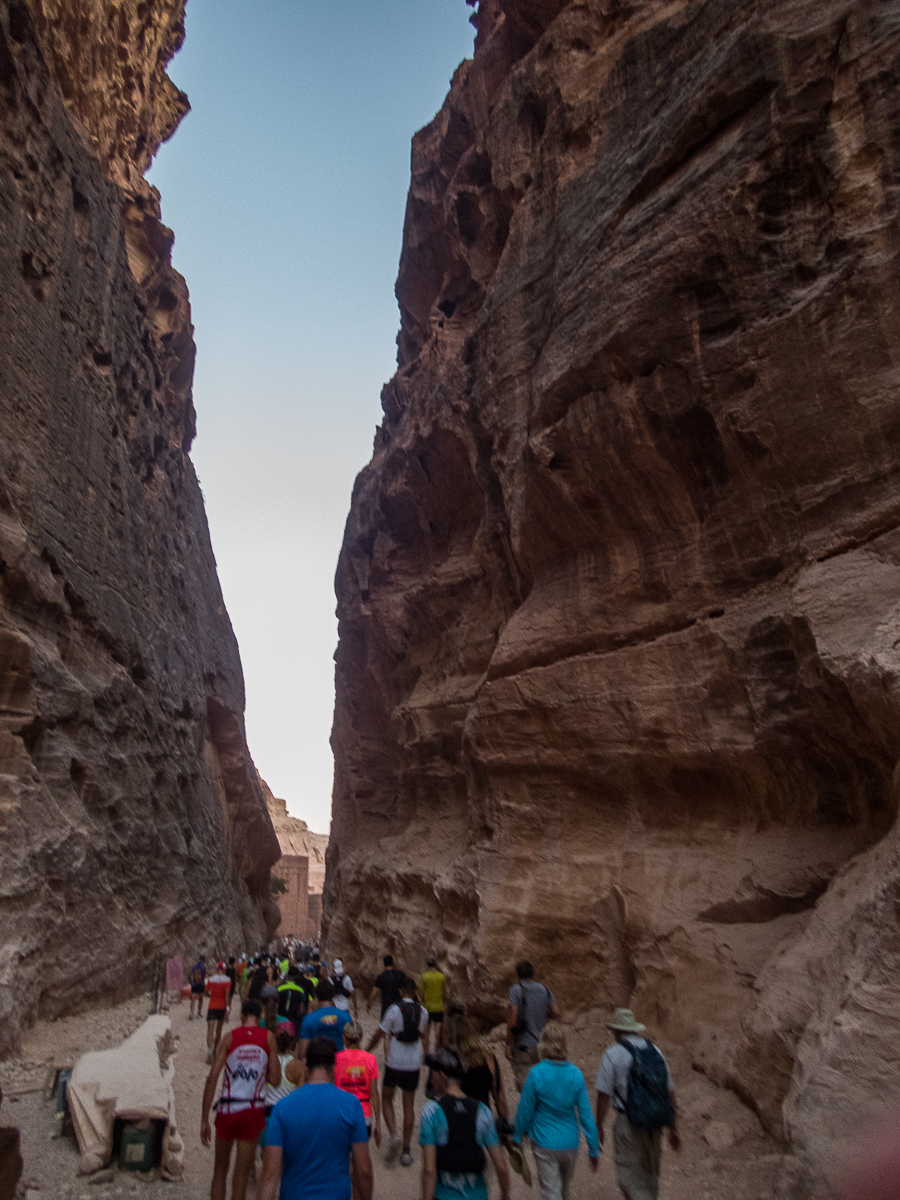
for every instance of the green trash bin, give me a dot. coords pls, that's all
(138, 1145)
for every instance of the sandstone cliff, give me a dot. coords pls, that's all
(619, 594)
(132, 821)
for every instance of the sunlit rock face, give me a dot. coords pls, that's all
(617, 676)
(131, 820)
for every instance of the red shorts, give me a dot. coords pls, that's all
(245, 1126)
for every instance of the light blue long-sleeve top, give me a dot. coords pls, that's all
(553, 1102)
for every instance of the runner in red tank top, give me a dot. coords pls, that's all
(219, 986)
(249, 1057)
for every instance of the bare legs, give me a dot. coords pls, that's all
(213, 1036)
(387, 1108)
(246, 1153)
(243, 1166)
(409, 1116)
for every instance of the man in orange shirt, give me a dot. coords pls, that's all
(219, 998)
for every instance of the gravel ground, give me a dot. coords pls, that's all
(725, 1154)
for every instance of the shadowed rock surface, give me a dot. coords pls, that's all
(618, 596)
(131, 820)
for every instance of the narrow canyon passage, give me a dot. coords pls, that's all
(618, 672)
(727, 1155)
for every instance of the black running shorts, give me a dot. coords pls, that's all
(406, 1081)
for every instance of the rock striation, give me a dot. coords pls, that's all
(619, 594)
(132, 821)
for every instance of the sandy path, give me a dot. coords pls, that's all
(741, 1170)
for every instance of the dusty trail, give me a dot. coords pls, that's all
(743, 1170)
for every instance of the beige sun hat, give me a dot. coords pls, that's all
(623, 1020)
(519, 1163)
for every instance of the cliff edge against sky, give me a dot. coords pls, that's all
(132, 821)
(618, 596)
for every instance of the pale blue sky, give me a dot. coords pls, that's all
(286, 188)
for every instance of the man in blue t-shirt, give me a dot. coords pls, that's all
(312, 1137)
(325, 1020)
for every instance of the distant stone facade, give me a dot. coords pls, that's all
(301, 866)
(294, 904)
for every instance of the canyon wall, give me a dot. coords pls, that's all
(619, 594)
(131, 819)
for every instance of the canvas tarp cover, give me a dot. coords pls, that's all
(134, 1082)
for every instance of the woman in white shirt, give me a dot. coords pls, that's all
(292, 1070)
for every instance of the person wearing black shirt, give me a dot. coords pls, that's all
(388, 985)
(293, 997)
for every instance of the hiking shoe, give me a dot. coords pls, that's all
(406, 1158)
(395, 1145)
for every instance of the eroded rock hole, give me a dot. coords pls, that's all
(468, 217)
(533, 115)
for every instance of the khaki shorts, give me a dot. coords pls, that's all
(638, 1155)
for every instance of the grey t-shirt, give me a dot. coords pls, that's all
(615, 1072)
(534, 1009)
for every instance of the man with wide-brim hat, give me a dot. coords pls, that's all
(642, 1111)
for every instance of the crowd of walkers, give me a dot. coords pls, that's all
(297, 1082)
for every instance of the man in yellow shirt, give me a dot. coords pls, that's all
(431, 986)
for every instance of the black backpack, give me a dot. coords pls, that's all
(648, 1104)
(462, 1155)
(411, 1014)
(337, 982)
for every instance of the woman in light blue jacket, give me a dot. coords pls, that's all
(554, 1103)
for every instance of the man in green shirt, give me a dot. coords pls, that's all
(431, 986)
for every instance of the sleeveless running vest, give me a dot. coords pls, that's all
(244, 1084)
(462, 1155)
